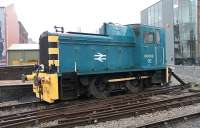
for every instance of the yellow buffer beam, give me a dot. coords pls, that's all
(48, 90)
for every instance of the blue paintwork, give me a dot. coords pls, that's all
(123, 46)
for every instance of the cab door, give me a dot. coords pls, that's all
(159, 48)
(148, 51)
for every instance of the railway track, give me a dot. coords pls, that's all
(150, 92)
(94, 111)
(122, 111)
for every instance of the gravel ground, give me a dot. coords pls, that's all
(141, 120)
(45, 124)
(14, 111)
(18, 110)
(8, 103)
(189, 124)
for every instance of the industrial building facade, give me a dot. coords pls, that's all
(23, 54)
(180, 18)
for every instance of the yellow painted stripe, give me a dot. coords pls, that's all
(53, 50)
(53, 39)
(56, 62)
(126, 79)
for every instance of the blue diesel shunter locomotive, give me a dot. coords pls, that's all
(121, 57)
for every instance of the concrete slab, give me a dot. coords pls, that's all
(15, 90)
(14, 83)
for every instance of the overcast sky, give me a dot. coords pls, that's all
(75, 15)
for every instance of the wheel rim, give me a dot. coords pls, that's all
(98, 88)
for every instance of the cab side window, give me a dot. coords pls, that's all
(148, 37)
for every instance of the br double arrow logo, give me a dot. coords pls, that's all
(100, 57)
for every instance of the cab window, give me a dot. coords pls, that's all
(148, 37)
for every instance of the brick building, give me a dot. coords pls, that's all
(23, 34)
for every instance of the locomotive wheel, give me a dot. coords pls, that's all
(133, 86)
(98, 88)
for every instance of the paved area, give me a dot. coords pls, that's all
(192, 71)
